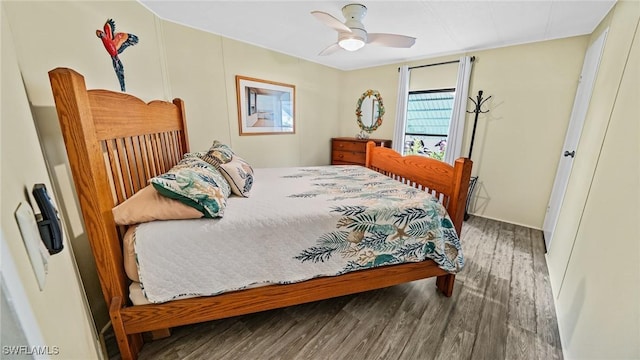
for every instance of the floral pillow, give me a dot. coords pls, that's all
(218, 153)
(239, 175)
(195, 183)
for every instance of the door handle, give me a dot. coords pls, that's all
(572, 154)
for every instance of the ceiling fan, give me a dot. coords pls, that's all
(352, 34)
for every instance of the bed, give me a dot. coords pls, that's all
(116, 142)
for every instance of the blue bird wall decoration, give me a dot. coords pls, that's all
(115, 43)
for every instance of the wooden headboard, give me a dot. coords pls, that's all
(112, 155)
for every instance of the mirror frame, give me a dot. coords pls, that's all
(376, 122)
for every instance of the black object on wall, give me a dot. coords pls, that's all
(48, 222)
(478, 110)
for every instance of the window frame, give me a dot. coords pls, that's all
(430, 91)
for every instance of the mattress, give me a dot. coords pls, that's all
(298, 224)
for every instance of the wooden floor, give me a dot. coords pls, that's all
(502, 308)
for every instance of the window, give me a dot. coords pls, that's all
(428, 118)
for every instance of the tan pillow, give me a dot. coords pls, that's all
(129, 259)
(148, 205)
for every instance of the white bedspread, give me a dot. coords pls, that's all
(298, 224)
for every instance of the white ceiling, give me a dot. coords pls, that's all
(441, 27)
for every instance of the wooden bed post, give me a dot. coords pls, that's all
(458, 201)
(456, 208)
(129, 345)
(185, 144)
(86, 160)
(368, 153)
(70, 95)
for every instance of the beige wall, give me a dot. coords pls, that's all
(176, 61)
(62, 34)
(595, 254)
(385, 80)
(169, 61)
(211, 89)
(314, 110)
(60, 309)
(52, 34)
(518, 142)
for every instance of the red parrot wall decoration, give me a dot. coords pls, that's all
(115, 43)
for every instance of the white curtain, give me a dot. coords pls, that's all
(459, 113)
(401, 109)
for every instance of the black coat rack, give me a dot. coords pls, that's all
(478, 110)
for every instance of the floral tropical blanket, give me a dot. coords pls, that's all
(298, 224)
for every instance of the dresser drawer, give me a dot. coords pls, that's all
(353, 146)
(348, 157)
(348, 150)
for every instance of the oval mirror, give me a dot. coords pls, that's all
(369, 111)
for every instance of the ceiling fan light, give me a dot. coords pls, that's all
(351, 44)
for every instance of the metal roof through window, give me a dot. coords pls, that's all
(429, 113)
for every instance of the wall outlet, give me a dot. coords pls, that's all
(38, 253)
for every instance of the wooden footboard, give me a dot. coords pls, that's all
(448, 183)
(115, 142)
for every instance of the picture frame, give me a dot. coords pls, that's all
(265, 107)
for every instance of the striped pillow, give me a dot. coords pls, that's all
(217, 154)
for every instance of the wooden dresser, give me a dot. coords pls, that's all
(351, 151)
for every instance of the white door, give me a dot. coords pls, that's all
(578, 114)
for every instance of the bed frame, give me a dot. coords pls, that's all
(116, 142)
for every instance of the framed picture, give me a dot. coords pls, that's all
(265, 107)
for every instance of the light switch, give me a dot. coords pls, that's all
(38, 254)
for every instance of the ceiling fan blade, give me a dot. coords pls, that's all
(330, 21)
(330, 49)
(391, 40)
